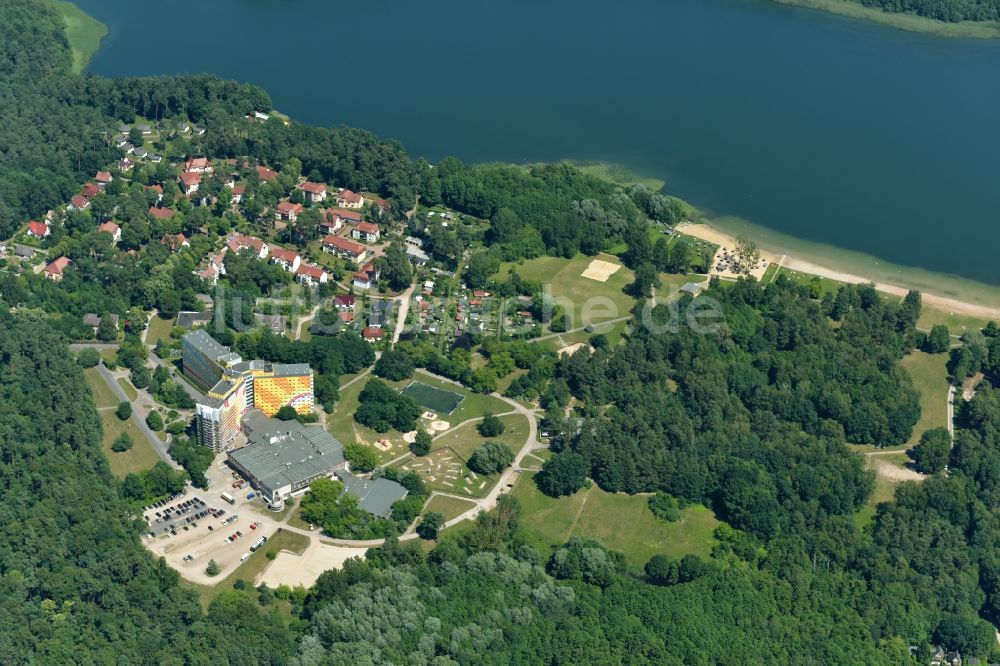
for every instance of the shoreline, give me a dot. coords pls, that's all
(706, 231)
(902, 20)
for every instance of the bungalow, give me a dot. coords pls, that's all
(145, 129)
(311, 275)
(155, 159)
(190, 182)
(333, 219)
(348, 199)
(692, 288)
(54, 271)
(120, 140)
(103, 178)
(127, 148)
(113, 229)
(198, 165)
(346, 317)
(238, 192)
(192, 319)
(344, 302)
(79, 203)
(315, 192)
(125, 165)
(276, 323)
(266, 175)
(94, 321)
(367, 277)
(414, 241)
(287, 259)
(371, 334)
(175, 242)
(288, 211)
(345, 249)
(416, 255)
(239, 242)
(161, 214)
(139, 152)
(156, 188)
(183, 127)
(367, 232)
(39, 229)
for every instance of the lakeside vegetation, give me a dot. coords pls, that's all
(83, 32)
(926, 17)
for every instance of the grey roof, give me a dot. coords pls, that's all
(376, 497)
(23, 251)
(376, 320)
(291, 369)
(381, 306)
(281, 453)
(277, 323)
(192, 319)
(92, 319)
(416, 253)
(413, 240)
(206, 344)
(692, 288)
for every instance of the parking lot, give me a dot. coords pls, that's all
(192, 529)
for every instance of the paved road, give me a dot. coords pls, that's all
(158, 445)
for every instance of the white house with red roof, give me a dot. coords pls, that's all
(288, 211)
(344, 301)
(333, 219)
(315, 192)
(39, 230)
(238, 192)
(198, 165)
(345, 249)
(103, 178)
(79, 202)
(113, 229)
(287, 259)
(190, 182)
(311, 275)
(367, 277)
(349, 199)
(367, 232)
(54, 271)
(371, 334)
(239, 242)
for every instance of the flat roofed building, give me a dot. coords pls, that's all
(282, 458)
(205, 359)
(290, 384)
(376, 496)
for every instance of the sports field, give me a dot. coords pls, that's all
(434, 399)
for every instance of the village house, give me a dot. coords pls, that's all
(416, 255)
(175, 242)
(139, 151)
(277, 324)
(367, 232)
(113, 229)
(288, 211)
(198, 165)
(367, 277)
(266, 175)
(287, 259)
(344, 302)
(211, 273)
(371, 334)
(39, 230)
(311, 275)
(103, 178)
(349, 199)
(163, 214)
(332, 219)
(127, 148)
(238, 192)
(155, 159)
(125, 165)
(94, 320)
(24, 252)
(156, 188)
(54, 271)
(345, 249)
(315, 192)
(90, 190)
(239, 242)
(78, 203)
(190, 182)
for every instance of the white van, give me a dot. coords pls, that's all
(244, 558)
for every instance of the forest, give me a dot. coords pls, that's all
(951, 11)
(752, 420)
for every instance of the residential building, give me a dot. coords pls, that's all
(238, 192)
(54, 271)
(190, 182)
(333, 219)
(113, 229)
(94, 320)
(311, 275)
(349, 199)
(90, 190)
(277, 324)
(24, 252)
(139, 151)
(288, 211)
(39, 229)
(416, 255)
(266, 175)
(103, 178)
(287, 259)
(198, 165)
(125, 165)
(240, 242)
(315, 192)
(367, 232)
(158, 213)
(371, 334)
(175, 242)
(345, 249)
(367, 277)
(79, 202)
(344, 302)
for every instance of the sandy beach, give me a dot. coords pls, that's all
(930, 299)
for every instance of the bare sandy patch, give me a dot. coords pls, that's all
(291, 569)
(893, 472)
(572, 349)
(600, 270)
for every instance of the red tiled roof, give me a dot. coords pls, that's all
(315, 272)
(266, 174)
(190, 179)
(161, 213)
(346, 245)
(342, 213)
(103, 177)
(283, 254)
(57, 266)
(368, 228)
(174, 242)
(286, 207)
(109, 227)
(156, 188)
(372, 333)
(79, 202)
(197, 163)
(38, 229)
(90, 190)
(239, 189)
(345, 300)
(238, 242)
(347, 317)
(313, 188)
(349, 196)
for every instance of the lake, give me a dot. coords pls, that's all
(838, 132)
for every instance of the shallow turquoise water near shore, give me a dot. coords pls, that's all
(831, 130)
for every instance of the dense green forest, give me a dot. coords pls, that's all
(752, 420)
(951, 11)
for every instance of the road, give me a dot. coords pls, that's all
(138, 416)
(404, 309)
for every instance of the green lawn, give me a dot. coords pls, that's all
(957, 323)
(826, 285)
(443, 469)
(450, 507)
(159, 329)
(466, 439)
(249, 570)
(141, 456)
(589, 301)
(103, 395)
(620, 522)
(930, 377)
(128, 388)
(83, 31)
